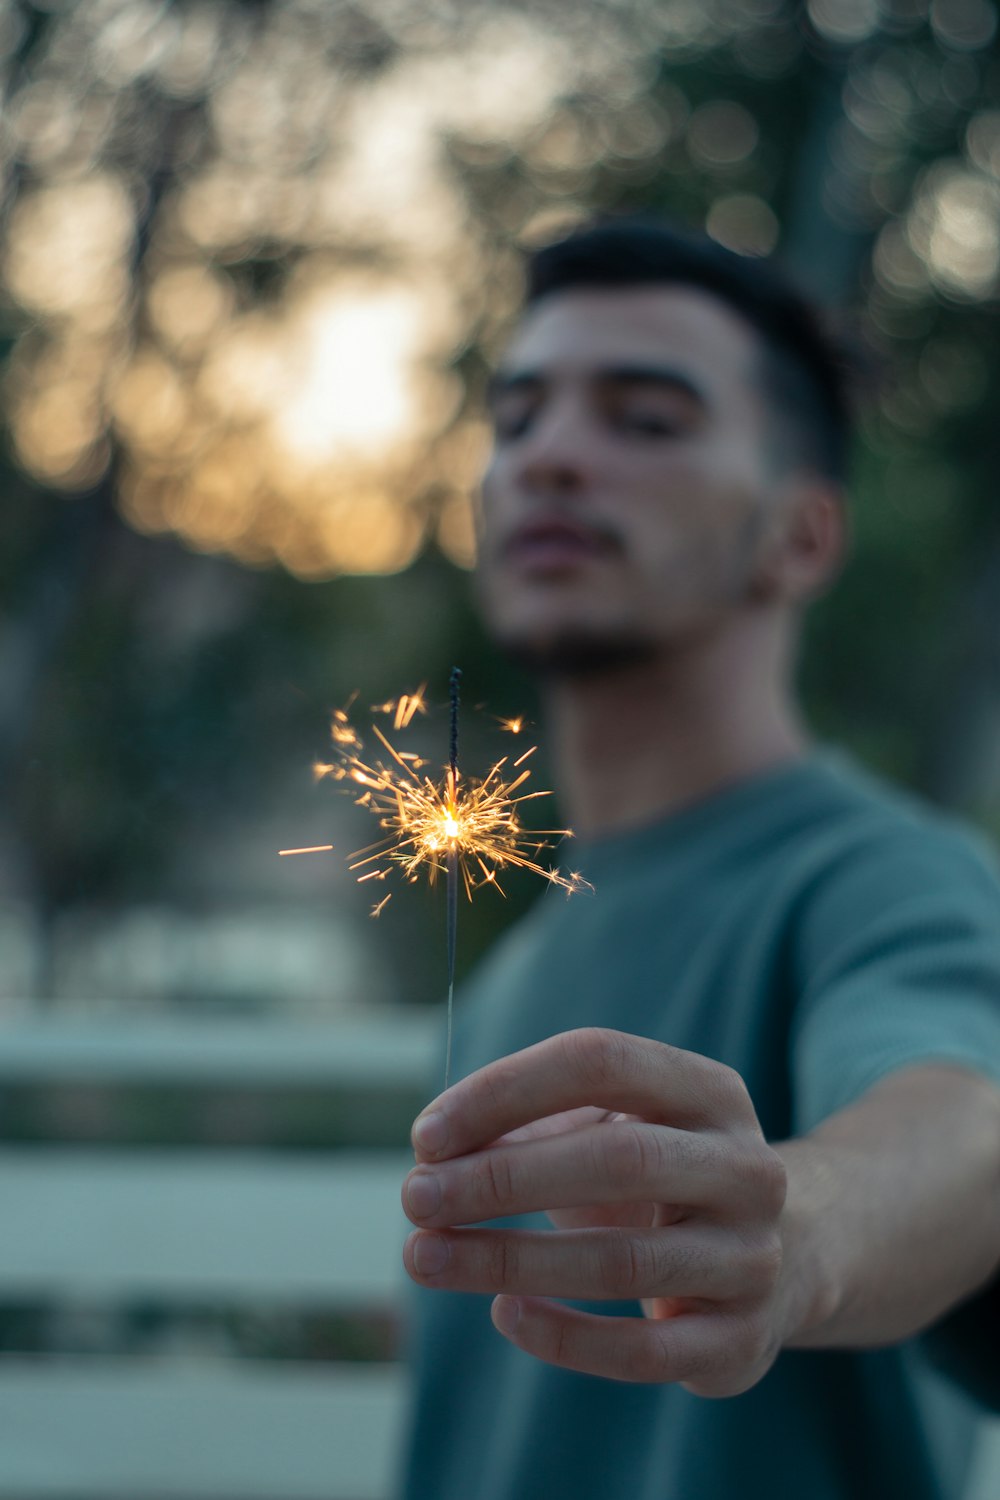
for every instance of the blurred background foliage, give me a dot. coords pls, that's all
(257, 257)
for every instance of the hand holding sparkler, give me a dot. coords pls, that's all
(652, 1166)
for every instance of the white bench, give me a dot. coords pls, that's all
(91, 1227)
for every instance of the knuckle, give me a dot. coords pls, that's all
(503, 1261)
(599, 1056)
(729, 1092)
(632, 1155)
(777, 1182)
(733, 1359)
(652, 1364)
(494, 1179)
(700, 1374)
(764, 1172)
(762, 1260)
(757, 1179)
(562, 1343)
(714, 1377)
(747, 1338)
(625, 1265)
(497, 1081)
(692, 1269)
(713, 1385)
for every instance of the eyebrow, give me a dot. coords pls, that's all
(664, 377)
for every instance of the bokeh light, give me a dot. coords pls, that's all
(721, 133)
(844, 21)
(264, 313)
(255, 253)
(744, 223)
(954, 227)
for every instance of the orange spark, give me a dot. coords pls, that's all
(404, 709)
(425, 820)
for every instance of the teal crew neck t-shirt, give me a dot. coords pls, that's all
(815, 931)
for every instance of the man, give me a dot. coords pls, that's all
(779, 950)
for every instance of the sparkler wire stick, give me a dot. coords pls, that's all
(452, 860)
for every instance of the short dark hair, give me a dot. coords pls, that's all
(805, 369)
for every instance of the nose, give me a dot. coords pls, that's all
(552, 457)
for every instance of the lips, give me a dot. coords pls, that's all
(556, 545)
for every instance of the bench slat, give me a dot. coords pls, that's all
(401, 1051)
(984, 1480)
(244, 1431)
(113, 1224)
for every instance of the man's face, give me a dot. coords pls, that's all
(628, 496)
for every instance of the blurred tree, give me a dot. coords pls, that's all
(257, 259)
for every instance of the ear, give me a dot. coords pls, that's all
(811, 537)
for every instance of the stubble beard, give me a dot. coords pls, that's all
(715, 588)
(579, 655)
(579, 652)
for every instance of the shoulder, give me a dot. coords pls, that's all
(896, 950)
(879, 847)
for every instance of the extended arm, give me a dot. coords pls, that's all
(892, 1213)
(662, 1188)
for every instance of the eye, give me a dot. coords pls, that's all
(512, 420)
(647, 422)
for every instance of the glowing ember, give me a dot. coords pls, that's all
(425, 820)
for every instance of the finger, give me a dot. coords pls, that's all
(710, 1354)
(620, 1163)
(637, 1215)
(616, 1264)
(607, 1215)
(560, 1124)
(592, 1066)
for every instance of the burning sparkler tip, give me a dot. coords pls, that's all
(430, 827)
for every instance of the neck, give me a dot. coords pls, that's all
(639, 743)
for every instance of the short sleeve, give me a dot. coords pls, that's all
(900, 955)
(898, 962)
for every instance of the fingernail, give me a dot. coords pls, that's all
(430, 1133)
(506, 1312)
(430, 1254)
(423, 1195)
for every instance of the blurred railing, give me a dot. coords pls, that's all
(199, 1265)
(199, 1270)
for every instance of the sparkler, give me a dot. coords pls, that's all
(452, 864)
(464, 829)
